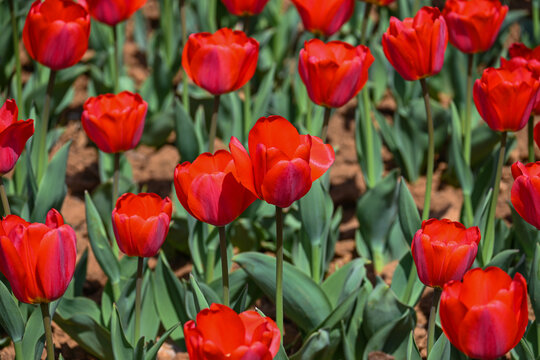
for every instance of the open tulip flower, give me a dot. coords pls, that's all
(56, 33)
(444, 250)
(525, 194)
(473, 26)
(281, 164)
(13, 135)
(112, 12)
(37, 259)
(486, 314)
(244, 7)
(324, 17)
(220, 333)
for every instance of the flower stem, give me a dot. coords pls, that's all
(468, 108)
(224, 265)
(370, 161)
(363, 33)
(18, 350)
(487, 248)
(116, 59)
(431, 151)
(327, 113)
(18, 70)
(185, 80)
(530, 130)
(39, 149)
(432, 318)
(140, 263)
(48, 330)
(247, 110)
(116, 182)
(5, 201)
(279, 270)
(213, 125)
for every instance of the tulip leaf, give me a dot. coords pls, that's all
(534, 283)
(457, 160)
(526, 235)
(187, 142)
(405, 282)
(320, 345)
(34, 335)
(341, 312)
(344, 281)
(441, 349)
(409, 218)
(412, 349)
(201, 302)
(503, 259)
(281, 355)
(262, 98)
(121, 347)
(153, 350)
(304, 302)
(10, 316)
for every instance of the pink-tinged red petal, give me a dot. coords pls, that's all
(286, 182)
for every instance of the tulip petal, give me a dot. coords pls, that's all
(12, 142)
(286, 182)
(223, 326)
(321, 157)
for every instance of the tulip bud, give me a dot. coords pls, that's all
(112, 12)
(324, 17)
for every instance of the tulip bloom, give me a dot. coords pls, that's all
(221, 62)
(114, 122)
(380, 2)
(221, 333)
(444, 250)
(486, 314)
(499, 86)
(13, 135)
(324, 17)
(416, 46)
(525, 195)
(56, 33)
(37, 259)
(244, 7)
(334, 72)
(473, 26)
(519, 52)
(112, 12)
(281, 164)
(141, 223)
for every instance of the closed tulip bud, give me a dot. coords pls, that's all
(335, 72)
(141, 223)
(486, 314)
(114, 122)
(415, 46)
(497, 88)
(221, 333)
(281, 164)
(444, 250)
(37, 259)
(221, 62)
(56, 33)
(244, 7)
(473, 26)
(13, 135)
(525, 193)
(324, 17)
(112, 12)
(208, 190)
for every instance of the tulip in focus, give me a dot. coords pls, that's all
(486, 314)
(13, 135)
(281, 164)
(141, 223)
(114, 122)
(444, 250)
(335, 72)
(244, 7)
(37, 259)
(473, 26)
(221, 62)
(221, 333)
(324, 17)
(415, 46)
(525, 194)
(112, 12)
(56, 33)
(520, 54)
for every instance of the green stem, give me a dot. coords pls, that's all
(224, 265)
(432, 318)
(116, 59)
(185, 79)
(309, 107)
(116, 183)
(327, 113)
(18, 70)
(115, 286)
(3, 194)
(363, 33)
(468, 108)
(39, 149)
(213, 125)
(487, 248)
(279, 270)
(316, 262)
(140, 263)
(536, 22)
(530, 130)
(469, 214)
(431, 151)
(210, 261)
(18, 350)
(370, 157)
(48, 330)
(247, 110)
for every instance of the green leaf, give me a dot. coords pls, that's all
(10, 316)
(153, 350)
(262, 98)
(345, 281)
(317, 346)
(34, 335)
(303, 301)
(503, 259)
(457, 161)
(412, 349)
(121, 347)
(534, 283)
(201, 302)
(409, 217)
(441, 349)
(405, 282)
(187, 142)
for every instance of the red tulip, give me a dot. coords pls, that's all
(379, 2)
(221, 62)
(281, 164)
(112, 12)
(13, 135)
(222, 334)
(473, 26)
(208, 190)
(244, 7)
(334, 72)
(416, 46)
(324, 17)
(485, 315)
(444, 250)
(56, 33)
(497, 88)
(519, 54)
(114, 122)
(37, 259)
(141, 223)
(526, 191)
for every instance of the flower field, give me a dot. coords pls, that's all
(269, 179)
